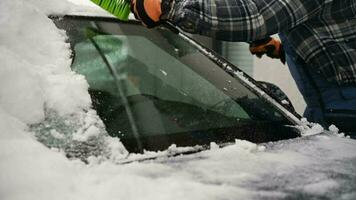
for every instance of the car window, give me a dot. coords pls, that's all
(159, 75)
(152, 88)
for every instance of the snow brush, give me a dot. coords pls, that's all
(119, 8)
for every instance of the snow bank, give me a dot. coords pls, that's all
(40, 94)
(35, 68)
(38, 87)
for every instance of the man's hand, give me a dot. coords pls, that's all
(147, 11)
(269, 46)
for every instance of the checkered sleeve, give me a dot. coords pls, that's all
(241, 20)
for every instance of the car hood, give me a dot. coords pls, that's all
(319, 166)
(313, 167)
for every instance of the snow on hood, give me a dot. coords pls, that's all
(38, 90)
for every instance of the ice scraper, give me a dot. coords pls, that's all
(119, 8)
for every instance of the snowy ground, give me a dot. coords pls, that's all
(38, 91)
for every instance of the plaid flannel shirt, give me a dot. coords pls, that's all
(322, 32)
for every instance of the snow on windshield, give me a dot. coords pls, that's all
(41, 99)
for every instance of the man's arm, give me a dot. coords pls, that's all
(240, 20)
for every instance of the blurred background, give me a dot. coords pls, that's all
(264, 69)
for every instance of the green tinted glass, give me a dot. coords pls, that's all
(152, 89)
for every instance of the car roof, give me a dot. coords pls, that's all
(94, 11)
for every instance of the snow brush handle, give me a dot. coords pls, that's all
(119, 8)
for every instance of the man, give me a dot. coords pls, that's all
(318, 36)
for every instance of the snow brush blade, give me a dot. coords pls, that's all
(119, 8)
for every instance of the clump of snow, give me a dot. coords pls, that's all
(315, 129)
(88, 131)
(333, 129)
(285, 102)
(246, 146)
(214, 146)
(91, 132)
(308, 128)
(163, 72)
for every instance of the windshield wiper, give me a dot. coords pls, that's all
(120, 89)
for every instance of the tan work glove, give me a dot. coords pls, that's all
(269, 46)
(149, 12)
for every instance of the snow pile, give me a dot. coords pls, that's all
(35, 72)
(308, 128)
(38, 88)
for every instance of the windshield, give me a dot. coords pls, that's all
(153, 89)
